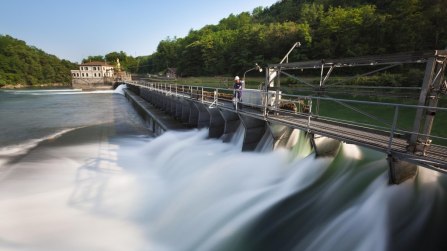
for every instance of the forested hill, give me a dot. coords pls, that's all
(326, 29)
(27, 65)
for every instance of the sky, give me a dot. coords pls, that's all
(74, 30)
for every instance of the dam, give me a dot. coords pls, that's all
(265, 113)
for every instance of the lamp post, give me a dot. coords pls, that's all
(257, 67)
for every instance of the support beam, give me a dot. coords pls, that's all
(186, 109)
(178, 108)
(232, 122)
(280, 134)
(173, 105)
(193, 114)
(217, 123)
(203, 116)
(400, 171)
(254, 130)
(324, 147)
(429, 96)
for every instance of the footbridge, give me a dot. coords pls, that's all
(405, 130)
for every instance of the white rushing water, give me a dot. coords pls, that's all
(102, 186)
(120, 89)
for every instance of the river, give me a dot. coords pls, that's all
(81, 171)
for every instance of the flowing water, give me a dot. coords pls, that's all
(80, 171)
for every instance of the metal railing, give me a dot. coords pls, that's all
(393, 119)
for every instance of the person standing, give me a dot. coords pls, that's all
(237, 88)
(237, 91)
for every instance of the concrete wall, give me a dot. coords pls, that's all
(91, 83)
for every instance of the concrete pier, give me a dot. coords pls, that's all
(217, 123)
(159, 121)
(232, 122)
(401, 170)
(325, 147)
(254, 130)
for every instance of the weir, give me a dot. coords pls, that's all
(277, 114)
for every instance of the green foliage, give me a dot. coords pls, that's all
(325, 28)
(93, 58)
(27, 65)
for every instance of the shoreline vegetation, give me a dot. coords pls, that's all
(25, 66)
(26, 86)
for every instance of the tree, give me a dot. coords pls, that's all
(113, 56)
(23, 64)
(93, 59)
(326, 29)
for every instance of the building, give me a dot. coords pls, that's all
(171, 73)
(93, 75)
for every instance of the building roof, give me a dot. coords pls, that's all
(95, 63)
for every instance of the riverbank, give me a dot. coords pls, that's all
(24, 86)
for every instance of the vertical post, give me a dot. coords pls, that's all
(433, 102)
(393, 128)
(317, 109)
(216, 96)
(309, 116)
(434, 77)
(266, 91)
(202, 94)
(422, 98)
(277, 91)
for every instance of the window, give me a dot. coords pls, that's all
(86, 74)
(83, 74)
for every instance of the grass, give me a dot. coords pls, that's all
(219, 81)
(384, 115)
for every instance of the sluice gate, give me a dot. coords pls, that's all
(271, 110)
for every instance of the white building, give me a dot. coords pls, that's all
(93, 75)
(93, 70)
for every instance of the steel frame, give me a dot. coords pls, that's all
(433, 84)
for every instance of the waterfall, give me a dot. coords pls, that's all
(265, 144)
(238, 137)
(120, 89)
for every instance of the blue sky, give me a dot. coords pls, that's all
(74, 30)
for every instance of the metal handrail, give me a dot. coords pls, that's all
(391, 128)
(327, 98)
